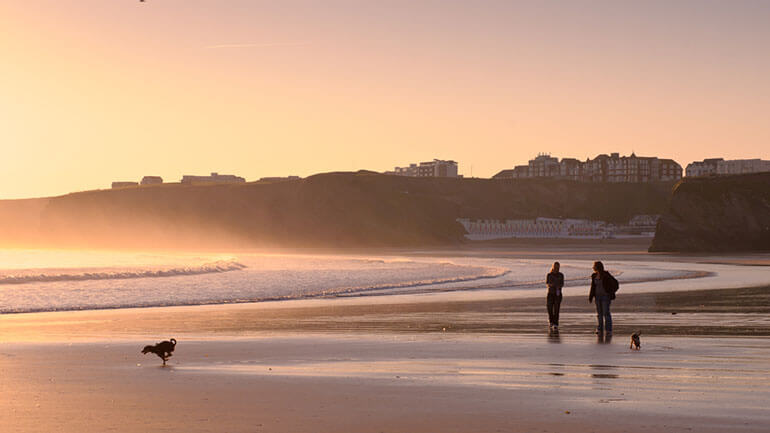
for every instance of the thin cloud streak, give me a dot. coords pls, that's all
(262, 45)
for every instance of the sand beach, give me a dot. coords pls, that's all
(451, 361)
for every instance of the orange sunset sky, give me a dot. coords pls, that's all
(93, 91)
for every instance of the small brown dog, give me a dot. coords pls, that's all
(162, 349)
(636, 341)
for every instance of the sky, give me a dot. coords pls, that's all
(95, 91)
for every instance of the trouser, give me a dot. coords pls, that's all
(603, 316)
(553, 302)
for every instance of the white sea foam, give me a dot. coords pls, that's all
(126, 280)
(208, 268)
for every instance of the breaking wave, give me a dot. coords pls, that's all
(207, 268)
(489, 273)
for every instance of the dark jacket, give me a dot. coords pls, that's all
(555, 282)
(608, 281)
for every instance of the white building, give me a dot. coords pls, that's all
(278, 178)
(549, 228)
(435, 168)
(152, 180)
(640, 226)
(214, 178)
(714, 166)
(707, 167)
(124, 184)
(742, 166)
(544, 165)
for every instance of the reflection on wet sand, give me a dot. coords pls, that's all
(604, 368)
(554, 336)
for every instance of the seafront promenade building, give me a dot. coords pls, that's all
(640, 226)
(603, 168)
(435, 168)
(213, 178)
(715, 166)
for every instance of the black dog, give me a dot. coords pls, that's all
(162, 349)
(635, 340)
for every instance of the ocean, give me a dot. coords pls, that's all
(41, 280)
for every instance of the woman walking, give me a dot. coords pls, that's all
(603, 288)
(555, 281)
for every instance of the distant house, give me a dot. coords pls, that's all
(743, 166)
(213, 178)
(152, 180)
(278, 178)
(518, 172)
(715, 166)
(544, 165)
(707, 167)
(123, 184)
(504, 174)
(435, 168)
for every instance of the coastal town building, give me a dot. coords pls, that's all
(715, 166)
(544, 165)
(640, 226)
(435, 168)
(570, 168)
(278, 178)
(123, 184)
(151, 180)
(603, 168)
(742, 166)
(213, 178)
(707, 167)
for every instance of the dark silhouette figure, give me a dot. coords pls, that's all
(636, 342)
(163, 349)
(555, 282)
(603, 288)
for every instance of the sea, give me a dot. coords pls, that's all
(61, 280)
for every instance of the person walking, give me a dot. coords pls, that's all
(555, 281)
(603, 288)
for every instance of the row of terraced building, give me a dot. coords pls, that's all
(603, 168)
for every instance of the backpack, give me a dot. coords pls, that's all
(612, 283)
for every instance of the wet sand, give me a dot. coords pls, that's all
(482, 366)
(734, 312)
(395, 364)
(398, 383)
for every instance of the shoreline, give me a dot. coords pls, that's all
(475, 361)
(721, 312)
(676, 273)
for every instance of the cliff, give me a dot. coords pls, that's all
(717, 214)
(326, 210)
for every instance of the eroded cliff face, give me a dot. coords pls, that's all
(717, 214)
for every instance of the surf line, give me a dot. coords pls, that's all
(208, 268)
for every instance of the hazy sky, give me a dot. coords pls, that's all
(93, 91)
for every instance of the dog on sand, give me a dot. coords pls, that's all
(636, 342)
(163, 349)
